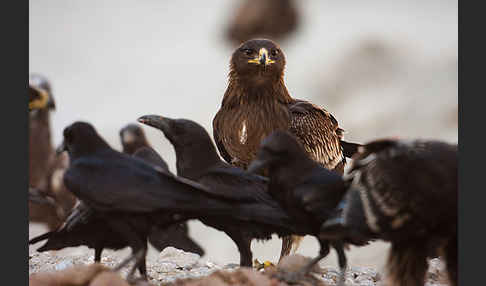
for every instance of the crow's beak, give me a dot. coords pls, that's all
(61, 148)
(156, 121)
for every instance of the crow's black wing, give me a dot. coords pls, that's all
(235, 184)
(122, 183)
(177, 236)
(320, 193)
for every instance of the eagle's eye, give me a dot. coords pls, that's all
(274, 52)
(247, 52)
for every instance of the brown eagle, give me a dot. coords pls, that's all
(49, 200)
(405, 192)
(256, 103)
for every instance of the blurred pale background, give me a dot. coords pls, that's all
(383, 68)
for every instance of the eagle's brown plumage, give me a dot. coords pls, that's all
(319, 133)
(408, 190)
(257, 103)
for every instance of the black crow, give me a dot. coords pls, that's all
(308, 191)
(134, 142)
(198, 160)
(109, 214)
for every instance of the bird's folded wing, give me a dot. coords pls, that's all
(237, 185)
(219, 144)
(127, 186)
(318, 132)
(130, 186)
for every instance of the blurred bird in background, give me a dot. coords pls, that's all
(38, 98)
(49, 201)
(273, 19)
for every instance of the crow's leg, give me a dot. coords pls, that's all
(136, 243)
(342, 261)
(141, 263)
(244, 246)
(97, 256)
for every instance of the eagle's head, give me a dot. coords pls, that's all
(258, 62)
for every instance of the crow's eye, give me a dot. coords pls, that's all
(274, 52)
(248, 52)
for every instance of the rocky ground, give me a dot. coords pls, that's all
(177, 267)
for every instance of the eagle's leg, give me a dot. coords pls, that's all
(289, 242)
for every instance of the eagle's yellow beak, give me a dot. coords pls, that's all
(262, 59)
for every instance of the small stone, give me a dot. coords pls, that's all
(178, 257)
(231, 266)
(63, 265)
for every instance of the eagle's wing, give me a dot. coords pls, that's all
(318, 132)
(216, 130)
